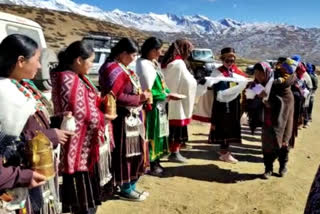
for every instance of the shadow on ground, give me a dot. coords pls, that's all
(251, 138)
(210, 172)
(243, 152)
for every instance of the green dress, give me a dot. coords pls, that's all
(157, 121)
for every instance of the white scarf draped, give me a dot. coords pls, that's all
(180, 80)
(146, 70)
(251, 93)
(231, 93)
(15, 107)
(204, 107)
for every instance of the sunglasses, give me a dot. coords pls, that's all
(229, 61)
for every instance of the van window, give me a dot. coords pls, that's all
(98, 43)
(202, 54)
(101, 43)
(13, 29)
(97, 56)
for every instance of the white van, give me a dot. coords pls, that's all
(101, 44)
(11, 24)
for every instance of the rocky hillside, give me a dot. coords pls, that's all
(62, 28)
(259, 43)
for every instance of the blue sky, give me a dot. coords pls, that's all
(301, 13)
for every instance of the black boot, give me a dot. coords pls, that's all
(177, 157)
(268, 160)
(158, 164)
(211, 136)
(283, 160)
(155, 169)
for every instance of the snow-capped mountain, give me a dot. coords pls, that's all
(147, 22)
(252, 40)
(171, 23)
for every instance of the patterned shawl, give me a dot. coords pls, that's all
(112, 79)
(75, 93)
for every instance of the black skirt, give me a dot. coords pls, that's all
(226, 119)
(80, 192)
(178, 134)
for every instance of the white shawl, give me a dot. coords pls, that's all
(204, 107)
(306, 91)
(15, 107)
(232, 93)
(180, 80)
(147, 73)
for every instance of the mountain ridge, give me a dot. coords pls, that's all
(251, 40)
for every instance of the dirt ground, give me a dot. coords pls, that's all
(208, 186)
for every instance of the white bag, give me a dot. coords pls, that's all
(68, 123)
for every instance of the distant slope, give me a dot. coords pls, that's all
(62, 28)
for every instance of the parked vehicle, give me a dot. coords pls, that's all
(202, 62)
(11, 24)
(102, 48)
(249, 70)
(102, 44)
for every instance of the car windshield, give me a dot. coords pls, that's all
(202, 54)
(97, 56)
(98, 43)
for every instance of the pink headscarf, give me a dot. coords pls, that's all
(301, 69)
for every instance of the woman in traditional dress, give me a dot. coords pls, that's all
(278, 116)
(225, 119)
(298, 100)
(180, 81)
(304, 83)
(303, 76)
(152, 79)
(24, 113)
(311, 69)
(73, 91)
(128, 156)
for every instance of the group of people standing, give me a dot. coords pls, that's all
(99, 141)
(279, 99)
(121, 131)
(287, 107)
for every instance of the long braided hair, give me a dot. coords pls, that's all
(181, 47)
